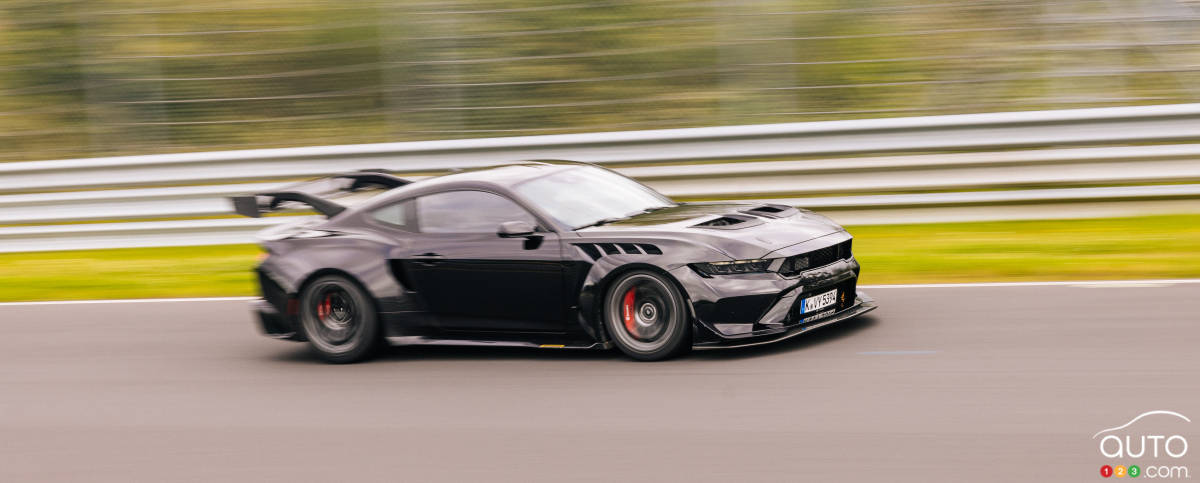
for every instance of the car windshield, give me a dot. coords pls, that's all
(586, 195)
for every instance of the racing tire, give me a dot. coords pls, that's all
(645, 316)
(338, 317)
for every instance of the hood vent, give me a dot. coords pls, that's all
(722, 221)
(772, 211)
(730, 222)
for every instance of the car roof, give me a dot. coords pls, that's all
(504, 175)
(501, 177)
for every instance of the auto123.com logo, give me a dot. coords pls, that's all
(1145, 450)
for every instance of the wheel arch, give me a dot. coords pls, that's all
(317, 274)
(601, 288)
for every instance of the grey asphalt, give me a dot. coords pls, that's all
(939, 384)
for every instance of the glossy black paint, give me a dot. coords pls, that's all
(479, 280)
(545, 287)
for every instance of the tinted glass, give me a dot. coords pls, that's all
(468, 212)
(584, 195)
(395, 214)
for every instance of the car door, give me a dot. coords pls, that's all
(471, 278)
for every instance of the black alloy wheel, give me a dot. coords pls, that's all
(339, 320)
(646, 317)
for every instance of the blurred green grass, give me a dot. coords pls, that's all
(128, 273)
(1099, 249)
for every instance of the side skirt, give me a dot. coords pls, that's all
(424, 340)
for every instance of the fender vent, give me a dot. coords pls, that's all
(590, 250)
(650, 249)
(597, 250)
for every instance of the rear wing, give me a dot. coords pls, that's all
(318, 194)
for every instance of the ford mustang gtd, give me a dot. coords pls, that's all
(542, 254)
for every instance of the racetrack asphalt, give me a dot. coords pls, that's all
(992, 383)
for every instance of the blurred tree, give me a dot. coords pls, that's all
(105, 77)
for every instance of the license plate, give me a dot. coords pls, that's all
(819, 301)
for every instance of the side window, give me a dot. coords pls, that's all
(396, 214)
(467, 212)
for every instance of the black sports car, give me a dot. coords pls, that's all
(543, 254)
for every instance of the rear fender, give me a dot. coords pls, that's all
(299, 261)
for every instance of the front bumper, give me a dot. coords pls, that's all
(863, 303)
(756, 308)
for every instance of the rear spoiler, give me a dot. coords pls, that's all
(317, 193)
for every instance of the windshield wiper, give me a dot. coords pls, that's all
(652, 209)
(602, 221)
(605, 221)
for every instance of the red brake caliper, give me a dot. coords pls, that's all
(323, 308)
(627, 311)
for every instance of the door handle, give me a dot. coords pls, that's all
(427, 259)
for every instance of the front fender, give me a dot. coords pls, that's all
(594, 270)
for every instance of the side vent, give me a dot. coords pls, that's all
(590, 250)
(597, 250)
(649, 249)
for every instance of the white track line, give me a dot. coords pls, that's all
(1088, 283)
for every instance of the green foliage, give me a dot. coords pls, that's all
(106, 77)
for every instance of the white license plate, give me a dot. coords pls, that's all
(819, 301)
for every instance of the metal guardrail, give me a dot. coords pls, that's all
(848, 158)
(864, 209)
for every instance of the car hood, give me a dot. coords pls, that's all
(740, 230)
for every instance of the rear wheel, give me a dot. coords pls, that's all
(645, 315)
(339, 320)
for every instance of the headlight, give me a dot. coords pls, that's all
(733, 267)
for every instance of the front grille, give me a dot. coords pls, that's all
(845, 299)
(816, 258)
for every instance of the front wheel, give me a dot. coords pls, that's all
(339, 320)
(645, 315)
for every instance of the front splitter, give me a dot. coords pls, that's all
(863, 303)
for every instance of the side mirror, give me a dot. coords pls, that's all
(516, 229)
